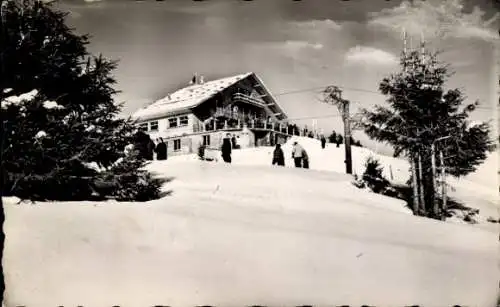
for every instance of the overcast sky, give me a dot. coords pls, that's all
(291, 45)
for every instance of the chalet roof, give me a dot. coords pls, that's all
(186, 98)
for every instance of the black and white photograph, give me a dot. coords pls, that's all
(190, 153)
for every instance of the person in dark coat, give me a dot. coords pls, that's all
(323, 141)
(150, 150)
(278, 156)
(339, 140)
(161, 150)
(141, 142)
(226, 149)
(305, 159)
(233, 141)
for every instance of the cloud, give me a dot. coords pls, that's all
(310, 34)
(298, 44)
(326, 24)
(370, 55)
(289, 47)
(436, 18)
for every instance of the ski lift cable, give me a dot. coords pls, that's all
(315, 89)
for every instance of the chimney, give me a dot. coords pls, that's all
(194, 80)
(202, 79)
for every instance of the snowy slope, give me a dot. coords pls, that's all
(478, 190)
(242, 235)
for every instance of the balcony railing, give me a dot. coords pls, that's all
(248, 99)
(227, 113)
(257, 124)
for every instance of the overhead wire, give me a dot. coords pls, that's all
(318, 88)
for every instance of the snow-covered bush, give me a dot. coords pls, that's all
(128, 181)
(373, 176)
(358, 183)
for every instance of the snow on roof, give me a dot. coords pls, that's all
(187, 97)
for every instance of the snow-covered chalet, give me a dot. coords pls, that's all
(204, 112)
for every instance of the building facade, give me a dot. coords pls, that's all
(205, 112)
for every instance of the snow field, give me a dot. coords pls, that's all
(243, 234)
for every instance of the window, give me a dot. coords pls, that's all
(177, 145)
(143, 126)
(183, 120)
(153, 126)
(206, 140)
(172, 122)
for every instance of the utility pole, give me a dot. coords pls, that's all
(333, 95)
(443, 185)
(347, 137)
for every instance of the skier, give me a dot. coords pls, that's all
(323, 141)
(297, 152)
(226, 148)
(161, 150)
(278, 156)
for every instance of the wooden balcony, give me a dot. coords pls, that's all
(243, 98)
(255, 124)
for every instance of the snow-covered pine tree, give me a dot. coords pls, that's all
(58, 113)
(420, 112)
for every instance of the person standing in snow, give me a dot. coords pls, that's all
(233, 141)
(278, 156)
(323, 141)
(226, 148)
(297, 152)
(141, 144)
(201, 151)
(150, 150)
(305, 159)
(339, 140)
(161, 150)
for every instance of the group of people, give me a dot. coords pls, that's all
(161, 149)
(146, 147)
(299, 156)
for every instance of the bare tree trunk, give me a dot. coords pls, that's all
(435, 207)
(443, 187)
(414, 186)
(421, 186)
